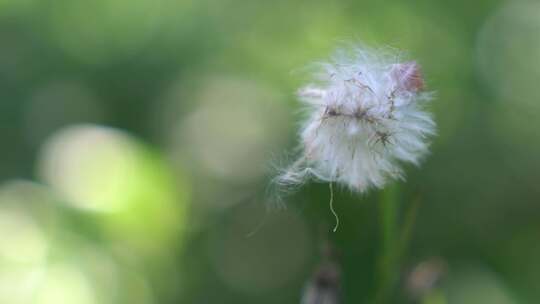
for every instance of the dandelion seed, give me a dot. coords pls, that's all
(324, 287)
(365, 118)
(426, 276)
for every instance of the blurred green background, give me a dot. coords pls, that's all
(136, 137)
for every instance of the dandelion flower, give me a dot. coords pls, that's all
(365, 118)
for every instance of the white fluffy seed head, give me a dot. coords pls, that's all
(364, 116)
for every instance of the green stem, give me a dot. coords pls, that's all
(389, 211)
(388, 268)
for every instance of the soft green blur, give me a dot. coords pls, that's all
(138, 138)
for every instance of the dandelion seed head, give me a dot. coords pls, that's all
(365, 118)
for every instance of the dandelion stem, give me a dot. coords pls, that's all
(389, 207)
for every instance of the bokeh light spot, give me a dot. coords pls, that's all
(477, 285)
(508, 62)
(233, 129)
(65, 284)
(108, 172)
(91, 166)
(22, 239)
(508, 52)
(26, 219)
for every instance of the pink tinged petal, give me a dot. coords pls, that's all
(408, 76)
